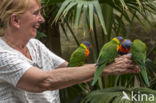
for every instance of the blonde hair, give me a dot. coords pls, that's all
(9, 7)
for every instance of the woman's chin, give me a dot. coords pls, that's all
(33, 35)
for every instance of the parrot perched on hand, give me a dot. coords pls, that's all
(80, 54)
(107, 55)
(124, 47)
(138, 50)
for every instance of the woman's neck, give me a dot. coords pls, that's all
(18, 44)
(15, 41)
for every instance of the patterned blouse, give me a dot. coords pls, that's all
(13, 64)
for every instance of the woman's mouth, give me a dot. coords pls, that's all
(36, 26)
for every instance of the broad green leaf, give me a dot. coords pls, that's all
(63, 6)
(100, 16)
(85, 14)
(78, 14)
(72, 4)
(91, 15)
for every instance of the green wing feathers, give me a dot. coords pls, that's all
(138, 50)
(98, 73)
(106, 55)
(77, 58)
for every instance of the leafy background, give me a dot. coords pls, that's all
(69, 22)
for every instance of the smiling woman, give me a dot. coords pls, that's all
(28, 69)
(31, 19)
(22, 16)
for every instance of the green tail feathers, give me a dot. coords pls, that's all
(145, 76)
(138, 50)
(97, 73)
(107, 55)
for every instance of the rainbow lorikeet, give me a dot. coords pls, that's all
(107, 55)
(80, 54)
(138, 50)
(77, 59)
(124, 47)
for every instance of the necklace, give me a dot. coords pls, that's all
(24, 50)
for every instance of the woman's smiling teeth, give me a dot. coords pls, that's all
(36, 26)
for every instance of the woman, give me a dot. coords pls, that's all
(28, 70)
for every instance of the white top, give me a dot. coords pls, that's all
(14, 64)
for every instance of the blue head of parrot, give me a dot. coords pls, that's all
(87, 44)
(120, 38)
(124, 47)
(126, 44)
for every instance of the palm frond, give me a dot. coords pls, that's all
(89, 8)
(100, 15)
(114, 95)
(64, 5)
(78, 14)
(91, 15)
(85, 16)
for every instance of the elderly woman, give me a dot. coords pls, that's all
(28, 70)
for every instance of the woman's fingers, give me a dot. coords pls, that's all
(125, 68)
(123, 58)
(123, 65)
(127, 71)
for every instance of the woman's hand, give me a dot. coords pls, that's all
(121, 65)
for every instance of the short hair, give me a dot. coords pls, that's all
(9, 7)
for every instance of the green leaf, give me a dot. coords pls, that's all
(124, 4)
(91, 15)
(72, 4)
(140, 6)
(100, 16)
(85, 8)
(78, 14)
(63, 6)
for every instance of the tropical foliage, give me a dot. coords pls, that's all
(115, 95)
(113, 17)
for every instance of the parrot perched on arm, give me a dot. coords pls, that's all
(138, 50)
(107, 55)
(124, 47)
(80, 54)
(77, 58)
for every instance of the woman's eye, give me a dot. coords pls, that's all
(36, 13)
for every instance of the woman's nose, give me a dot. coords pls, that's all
(41, 19)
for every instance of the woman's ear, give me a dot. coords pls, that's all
(15, 21)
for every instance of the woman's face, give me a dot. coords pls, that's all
(31, 20)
